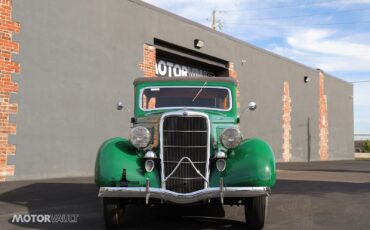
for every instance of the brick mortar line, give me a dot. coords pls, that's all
(7, 86)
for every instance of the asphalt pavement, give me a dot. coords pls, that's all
(316, 195)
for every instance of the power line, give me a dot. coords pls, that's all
(328, 55)
(308, 15)
(283, 6)
(321, 24)
(365, 81)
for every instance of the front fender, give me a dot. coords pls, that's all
(252, 163)
(117, 154)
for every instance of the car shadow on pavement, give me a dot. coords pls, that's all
(329, 170)
(81, 199)
(326, 166)
(318, 187)
(53, 199)
(179, 217)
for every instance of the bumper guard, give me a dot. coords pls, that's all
(183, 198)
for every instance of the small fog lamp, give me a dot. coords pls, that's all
(221, 165)
(150, 155)
(220, 155)
(149, 165)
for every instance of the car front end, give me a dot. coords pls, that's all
(185, 147)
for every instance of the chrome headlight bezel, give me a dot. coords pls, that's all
(231, 138)
(140, 137)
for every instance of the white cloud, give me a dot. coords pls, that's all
(344, 49)
(322, 41)
(324, 49)
(339, 4)
(201, 11)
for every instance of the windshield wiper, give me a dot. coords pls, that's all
(200, 90)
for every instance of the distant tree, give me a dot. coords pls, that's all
(366, 146)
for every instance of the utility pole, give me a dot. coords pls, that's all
(214, 19)
(216, 24)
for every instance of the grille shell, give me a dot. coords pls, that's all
(185, 136)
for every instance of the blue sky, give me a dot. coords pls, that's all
(330, 35)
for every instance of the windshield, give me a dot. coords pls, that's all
(200, 97)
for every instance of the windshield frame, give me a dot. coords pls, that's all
(188, 107)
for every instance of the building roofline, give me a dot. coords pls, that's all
(167, 13)
(184, 79)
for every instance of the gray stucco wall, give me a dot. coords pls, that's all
(79, 58)
(340, 118)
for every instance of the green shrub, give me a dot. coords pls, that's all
(366, 146)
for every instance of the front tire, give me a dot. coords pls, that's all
(113, 212)
(255, 212)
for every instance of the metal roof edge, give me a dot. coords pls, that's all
(167, 13)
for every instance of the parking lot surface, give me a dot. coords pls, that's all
(316, 195)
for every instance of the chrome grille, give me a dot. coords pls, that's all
(185, 136)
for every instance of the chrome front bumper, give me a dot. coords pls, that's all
(183, 198)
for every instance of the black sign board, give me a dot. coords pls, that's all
(169, 68)
(173, 65)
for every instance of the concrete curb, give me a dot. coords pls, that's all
(362, 156)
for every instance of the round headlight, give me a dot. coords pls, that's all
(140, 137)
(231, 138)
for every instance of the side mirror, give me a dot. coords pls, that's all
(120, 106)
(252, 106)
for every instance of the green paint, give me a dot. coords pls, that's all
(231, 114)
(252, 163)
(117, 154)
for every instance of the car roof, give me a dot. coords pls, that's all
(184, 79)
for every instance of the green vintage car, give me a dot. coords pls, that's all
(185, 148)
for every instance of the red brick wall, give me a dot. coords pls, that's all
(7, 86)
(323, 120)
(149, 60)
(233, 74)
(287, 126)
(148, 64)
